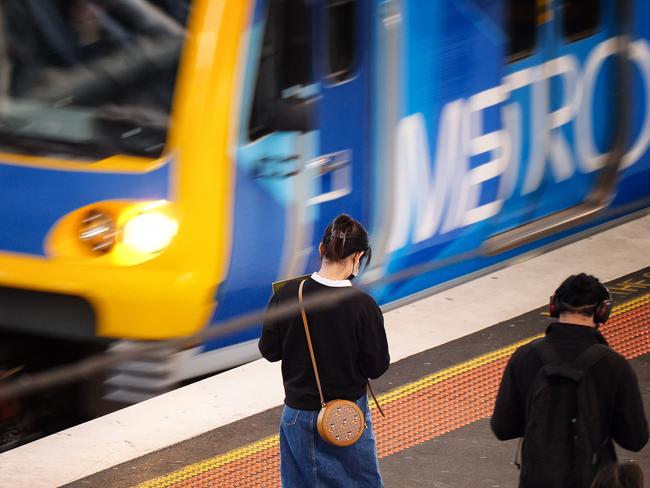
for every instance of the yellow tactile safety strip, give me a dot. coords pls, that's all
(388, 397)
(271, 444)
(229, 457)
(445, 374)
(631, 304)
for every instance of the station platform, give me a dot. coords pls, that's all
(437, 404)
(448, 352)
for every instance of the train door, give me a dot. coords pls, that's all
(565, 92)
(319, 59)
(301, 153)
(342, 65)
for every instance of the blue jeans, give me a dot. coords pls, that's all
(306, 460)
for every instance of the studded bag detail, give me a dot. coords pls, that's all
(340, 422)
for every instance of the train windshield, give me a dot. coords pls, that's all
(88, 78)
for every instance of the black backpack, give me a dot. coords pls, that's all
(566, 438)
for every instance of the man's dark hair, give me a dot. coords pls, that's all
(578, 291)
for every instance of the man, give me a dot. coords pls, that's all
(559, 391)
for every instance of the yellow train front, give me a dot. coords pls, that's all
(114, 174)
(115, 182)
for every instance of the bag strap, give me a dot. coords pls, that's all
(313, 358)
(583, 362)
(311, 349)
(590, 356)
(375, 399)
(546, 352)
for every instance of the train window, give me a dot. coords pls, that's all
(85, 78)
(581, 18)
(341, 18)
(521, 22)
(285, 61)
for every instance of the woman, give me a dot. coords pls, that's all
(350, 346)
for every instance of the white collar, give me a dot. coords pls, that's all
(327, 282)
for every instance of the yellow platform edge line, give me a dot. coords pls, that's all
(386, 398)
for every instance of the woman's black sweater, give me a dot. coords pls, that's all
(349, 344)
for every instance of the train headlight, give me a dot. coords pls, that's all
(149, 232)
(97, 230)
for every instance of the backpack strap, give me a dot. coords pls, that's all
(583, 362)
(574, 370)
(546, 352)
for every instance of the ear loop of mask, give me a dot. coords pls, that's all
(358, 266)
(355, 273)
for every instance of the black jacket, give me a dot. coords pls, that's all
(349, 343)
(613, 378)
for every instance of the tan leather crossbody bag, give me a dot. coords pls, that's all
(340, 422)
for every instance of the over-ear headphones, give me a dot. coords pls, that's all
(554, 306)
(602, 309)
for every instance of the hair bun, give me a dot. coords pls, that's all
(343, 237)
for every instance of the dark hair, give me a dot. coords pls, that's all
(343, 237)
(619, 475)
(577, 292)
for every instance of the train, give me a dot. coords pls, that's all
(162, 162)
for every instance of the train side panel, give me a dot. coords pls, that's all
(469, 139)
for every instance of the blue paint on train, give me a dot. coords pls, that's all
(33, 199)
(279, 219)
(256, 255)
(482, 145)
(546, 146)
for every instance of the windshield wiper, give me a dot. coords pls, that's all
(24, 144)
(131, 129)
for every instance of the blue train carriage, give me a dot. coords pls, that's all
(161, 180)
(460, 132)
